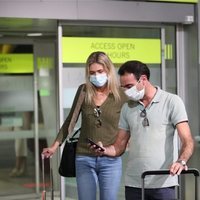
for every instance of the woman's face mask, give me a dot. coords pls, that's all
(99, 80)
(135, 94)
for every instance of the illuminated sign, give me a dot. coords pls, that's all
(180, 1)
(77, 49)
(45, 62)
(16, 63)
(168, 51)
(44, 92)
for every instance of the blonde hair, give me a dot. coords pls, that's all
(112, 84)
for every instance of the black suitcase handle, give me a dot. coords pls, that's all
(193, 171)
(166, 171)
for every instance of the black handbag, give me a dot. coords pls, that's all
(67, 163)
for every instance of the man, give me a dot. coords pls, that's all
(148, 122)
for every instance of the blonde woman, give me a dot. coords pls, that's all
(100, 113)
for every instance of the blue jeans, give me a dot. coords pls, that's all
(93, 171)
(168, 193)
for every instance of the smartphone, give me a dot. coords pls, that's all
(95, 144)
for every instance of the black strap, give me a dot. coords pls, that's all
(75, 133)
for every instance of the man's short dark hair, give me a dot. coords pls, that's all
(135, 67)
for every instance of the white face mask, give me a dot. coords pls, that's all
(99, 80)
(135, 94)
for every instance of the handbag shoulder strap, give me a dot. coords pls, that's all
(77, 109)
(68, 126)
(73, 138)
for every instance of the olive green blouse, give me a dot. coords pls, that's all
(103, 128)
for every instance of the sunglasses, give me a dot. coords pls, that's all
(145, 121)
(97, 114)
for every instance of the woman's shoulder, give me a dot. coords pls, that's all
(81, 87)
(122, 94)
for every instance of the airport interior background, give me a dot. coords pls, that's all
(41, 65)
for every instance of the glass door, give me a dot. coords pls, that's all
(153, 45)
(16, 119)
(27, 116)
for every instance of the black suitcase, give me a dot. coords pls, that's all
(44, 192)
(193, 171)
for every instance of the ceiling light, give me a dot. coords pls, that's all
(34, 34)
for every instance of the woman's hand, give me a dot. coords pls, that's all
(49, 151)
(97, 149)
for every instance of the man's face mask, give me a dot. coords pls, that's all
(135, 94)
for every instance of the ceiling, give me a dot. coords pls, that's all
(22, 26)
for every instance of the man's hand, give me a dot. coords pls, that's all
(177, 167)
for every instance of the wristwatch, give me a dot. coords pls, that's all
(182, 162)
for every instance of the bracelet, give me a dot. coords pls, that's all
(182, 162)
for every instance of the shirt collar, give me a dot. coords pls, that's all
(157, 96)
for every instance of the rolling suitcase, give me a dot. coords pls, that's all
(193, 171)
(44, 192)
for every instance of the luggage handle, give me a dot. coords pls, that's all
(167, 172)
(43, 179)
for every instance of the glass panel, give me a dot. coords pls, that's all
(16, 123)
(44, 55)
(73, 73)
(170, 59)
(17, 134)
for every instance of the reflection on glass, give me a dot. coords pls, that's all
(16, 124)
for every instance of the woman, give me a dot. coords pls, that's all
(100, 115)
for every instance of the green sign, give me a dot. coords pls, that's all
(77, 49)
(16, 63)
(44, 92)
(45, 62)
(180, 1)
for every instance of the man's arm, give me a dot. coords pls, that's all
(187, 147)
(187, 142)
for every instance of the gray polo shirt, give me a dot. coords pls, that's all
(152, 147)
